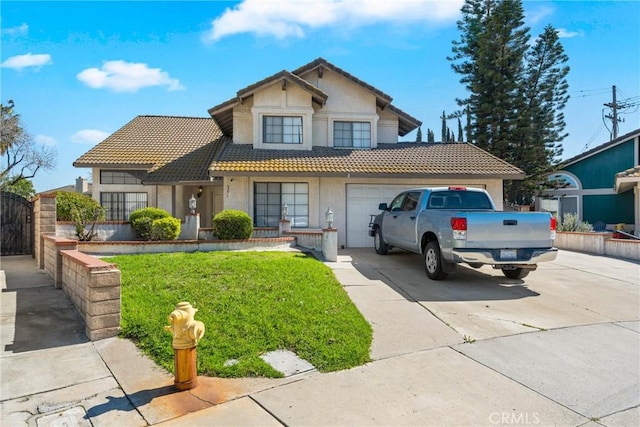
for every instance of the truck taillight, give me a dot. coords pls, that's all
(459, 226)
(552, 227)
(458, 188)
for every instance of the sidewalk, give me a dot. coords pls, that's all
(422, 372)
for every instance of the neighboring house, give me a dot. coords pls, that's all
(316, 138)
(601, 185)
(81, 186)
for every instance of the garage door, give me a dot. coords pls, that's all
(363, 201)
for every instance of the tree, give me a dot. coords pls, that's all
(23, 187)
(542, 124)
(460, 132)
(510, 111)
(22, 157)
(431, 137)
(419, 135)
(444, 137)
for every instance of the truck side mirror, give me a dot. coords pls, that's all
(382, 206)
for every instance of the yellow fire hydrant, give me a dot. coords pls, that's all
(186, 333)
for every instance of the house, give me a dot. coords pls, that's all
(601, 186)
(313, 139)
(81, 186)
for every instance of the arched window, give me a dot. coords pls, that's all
(559, 181)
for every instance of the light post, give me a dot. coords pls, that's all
(192, 204)
(329, 218)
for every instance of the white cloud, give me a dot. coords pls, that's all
(563, 33)
(20, 30)
(538, 13)
(89, 136)
(46, 140)
(293, 18)
(122, 76)
(28, 60)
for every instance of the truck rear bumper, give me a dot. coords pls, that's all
(497, 256)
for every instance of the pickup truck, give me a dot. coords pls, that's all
(452, 225)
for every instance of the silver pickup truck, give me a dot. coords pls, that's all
(451, 225)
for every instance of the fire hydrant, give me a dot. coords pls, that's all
(186, 333)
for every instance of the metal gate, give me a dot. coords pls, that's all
(16, 220)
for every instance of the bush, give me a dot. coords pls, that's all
(68, 201)
(81, 210)
(143, 223)
(570, 222)
(165, 229)
(231, 224)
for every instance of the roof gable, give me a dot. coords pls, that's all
(223, 113)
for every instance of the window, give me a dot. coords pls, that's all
(120, 177)
(352, 134)
(269, 198)
(282, 130)
(118, 206)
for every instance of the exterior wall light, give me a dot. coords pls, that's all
(192, 204)
(329, 218)
(200, 190)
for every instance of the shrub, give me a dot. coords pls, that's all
(165, 229)
(570, 222)
(67, 201)
(232, 224)
(142, 220)
(81, 210)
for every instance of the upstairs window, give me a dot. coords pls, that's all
(282, 130)
(352, 134)
(120, 177)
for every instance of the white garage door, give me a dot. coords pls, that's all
(363, 201)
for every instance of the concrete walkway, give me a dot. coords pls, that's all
(423, 372)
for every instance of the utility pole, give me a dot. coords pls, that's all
(614, 113)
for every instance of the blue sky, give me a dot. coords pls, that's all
(78, 70)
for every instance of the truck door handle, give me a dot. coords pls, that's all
(510, 222)
(412, 218)
(395, 216)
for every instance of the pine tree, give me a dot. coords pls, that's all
(419, 135)
(459, 130)
(444, 127)
(430, 136)
(516, 92)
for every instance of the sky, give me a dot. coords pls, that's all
(78, 71)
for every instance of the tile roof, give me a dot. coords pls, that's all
(171, 149)
(403, 159)
(627, 179)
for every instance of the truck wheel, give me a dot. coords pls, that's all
(518, 273)
(378, 242)
(433, 261)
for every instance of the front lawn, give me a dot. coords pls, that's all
(250, 303)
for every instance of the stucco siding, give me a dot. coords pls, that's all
(330, 192)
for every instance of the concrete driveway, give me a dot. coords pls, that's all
(560, 347)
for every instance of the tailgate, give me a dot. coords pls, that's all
(495, 230)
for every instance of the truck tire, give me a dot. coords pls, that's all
(518, 273)
(433, 261)
(378, 242)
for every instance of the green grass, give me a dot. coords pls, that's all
(250, 303)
